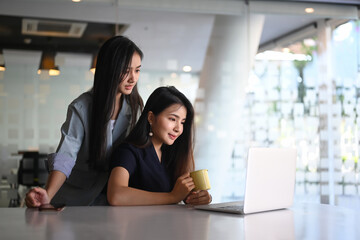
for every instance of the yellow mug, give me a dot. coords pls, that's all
(201, 179)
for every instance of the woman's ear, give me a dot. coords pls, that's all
(150, 117)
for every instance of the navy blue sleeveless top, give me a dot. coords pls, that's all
(145, 170)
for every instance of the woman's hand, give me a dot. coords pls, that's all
(183, 186)
(36, 197)
(198, 198)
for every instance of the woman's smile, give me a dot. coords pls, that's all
(172, 137)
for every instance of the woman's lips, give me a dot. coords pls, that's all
(172, 137)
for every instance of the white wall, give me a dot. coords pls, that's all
(33, 107)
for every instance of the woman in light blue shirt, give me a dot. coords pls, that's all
(96, 120)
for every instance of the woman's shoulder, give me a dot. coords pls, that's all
(124, 152)
(83, 101)
(128, 147)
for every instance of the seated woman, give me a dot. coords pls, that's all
(152, 166)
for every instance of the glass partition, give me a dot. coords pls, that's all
(286, 106)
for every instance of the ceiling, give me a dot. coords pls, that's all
(171, 33)
(54, 35)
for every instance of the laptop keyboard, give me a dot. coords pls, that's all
(233, 208)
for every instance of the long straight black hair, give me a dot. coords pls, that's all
(178, 157)
(113, 60)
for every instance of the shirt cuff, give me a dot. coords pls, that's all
(61, 162)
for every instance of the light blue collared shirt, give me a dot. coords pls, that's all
(74, 144)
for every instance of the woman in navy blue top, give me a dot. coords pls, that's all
(145, 170)
(153, 165)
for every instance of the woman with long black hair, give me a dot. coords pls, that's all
(96, 120)
(152, 165)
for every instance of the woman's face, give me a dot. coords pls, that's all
(168, 125)
(133, 72)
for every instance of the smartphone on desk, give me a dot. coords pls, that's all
(52, 207)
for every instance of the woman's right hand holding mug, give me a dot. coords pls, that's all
(183, 186)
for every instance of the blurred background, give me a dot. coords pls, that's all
(259, 73)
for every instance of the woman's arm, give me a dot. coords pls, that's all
(119, 193)
(55, 180)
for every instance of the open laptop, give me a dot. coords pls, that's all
(270, 182)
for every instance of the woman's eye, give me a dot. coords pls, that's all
(172, 119)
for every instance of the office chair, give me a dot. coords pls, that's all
(9, 191)
(32, 169)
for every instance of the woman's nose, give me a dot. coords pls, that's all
(177, 127)
(131, 76)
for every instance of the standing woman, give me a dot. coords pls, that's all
(96, 120)
(152, 166)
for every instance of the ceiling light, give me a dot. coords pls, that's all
(280, 56)
(27, 40)
(187, 68)
(309, 10)
(309, 42)
(47, 63)
(286, 50)
(54, 72)
(2, 61)
(93, 63)
(76, 1)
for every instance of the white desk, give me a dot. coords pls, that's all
(305, 221)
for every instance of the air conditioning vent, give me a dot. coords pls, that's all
(52, 28)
